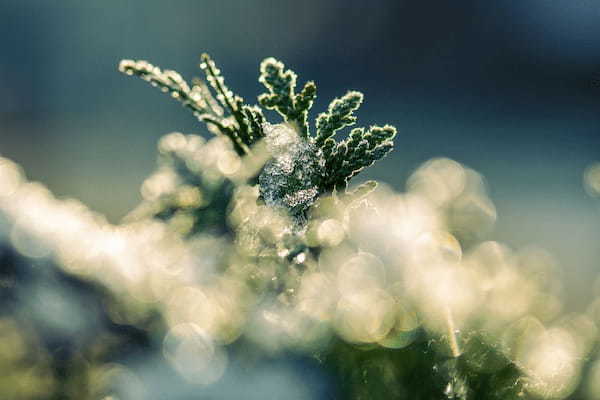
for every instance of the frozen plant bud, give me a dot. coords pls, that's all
(290, 179)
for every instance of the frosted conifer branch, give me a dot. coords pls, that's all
(171, 82)
(247, 120)
(194, 98)
(354, 154)
(216, 80)
(254, 120)
(244, 125)
(281, 84)
(339, 114)
(243, 129)
(225, 96)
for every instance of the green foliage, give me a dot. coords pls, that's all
(347, 158)
(244, 125)
(248, 119)
(339, 115)
(282, 97)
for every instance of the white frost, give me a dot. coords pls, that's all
(290, 178)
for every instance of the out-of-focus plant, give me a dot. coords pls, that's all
(250, 246)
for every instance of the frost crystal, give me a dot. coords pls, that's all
(290, 179)
(300, 197)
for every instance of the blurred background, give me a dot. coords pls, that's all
(510, 89)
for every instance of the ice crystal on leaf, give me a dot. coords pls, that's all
(290, 179)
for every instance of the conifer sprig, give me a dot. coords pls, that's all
(281, 84)
(347, 158)
(248, 119)
(340, 114)
(244, 124)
